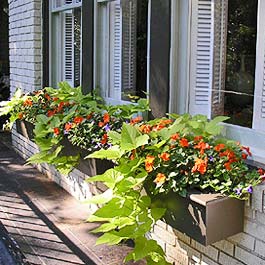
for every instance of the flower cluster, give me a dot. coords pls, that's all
(179, 157)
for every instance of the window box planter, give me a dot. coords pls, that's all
(25, 128)
(206, 218)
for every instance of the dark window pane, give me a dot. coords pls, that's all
(240, 61)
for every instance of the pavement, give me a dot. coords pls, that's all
(47, 223)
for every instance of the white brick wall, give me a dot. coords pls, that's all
(25, 44)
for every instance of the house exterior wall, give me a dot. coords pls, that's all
(25, 42)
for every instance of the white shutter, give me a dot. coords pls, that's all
(259, 97)
(115, 50)
(207, 72)
(68, 72)
(129, 37)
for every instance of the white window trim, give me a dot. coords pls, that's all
(65, 7)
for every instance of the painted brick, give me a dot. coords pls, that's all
(260, 248)
(161, 224)
(165, 235)
(209, 251)
(179, 256)
(192, 253)
(257, 198)
(225, 246)
(206, 261)
(228, 260)
(182, 236)
(248, 258)
(255, 229)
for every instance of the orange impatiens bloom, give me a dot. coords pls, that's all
(78, 119)
(198, 138)
(136, 120)
(106, 117)
(184, 142)
(47, 96)
(219, 147)
(20, 115)
(50, 113)
(244, 156)
(227, 166)
(160, 179)
(104, 139)
(28, 102)
(56, 131)
(145, 128)
(165, 156)
(247, 150)
(68, 126)
(149, 163)
(202, 146)
(200, 166)
(101, 124)
(175, 137)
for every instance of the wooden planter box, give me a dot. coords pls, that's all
(207, 218)
(25, 128)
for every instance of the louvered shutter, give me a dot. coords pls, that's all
(259, 98)
(115, 50)
(68, 70)
(208, 47)
(129, 34)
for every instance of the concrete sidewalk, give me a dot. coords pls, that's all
(47, 223)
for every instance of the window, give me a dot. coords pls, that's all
(226, 66)
(122, 49)
(66, 42)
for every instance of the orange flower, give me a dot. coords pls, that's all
(106, 117)
(55, 99)
(89, 116)
(149, 163)
(20, 115)
(104, 139)
(165, 122)
(60, 107)
(175, 137)
(219, 147)
(68, 126)
(244, 156)
(50, 113)
(160, 179)
(184, 142)
(145, 128)
(200, 166)
(101, 124)
(78, 119)
(197, 138)
(227, 165)
(136, 120)
(47, 97)
(132, 157)
(202, 146)
(28, 102)
(158, 127)
(56, 131)
(165, 156)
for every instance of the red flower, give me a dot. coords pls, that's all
(247, 150)
(78, 119)
(47, 97)
(145, 128)
(184, 142)
(202, 146)
(89, 116)
(68, 126)
(165, 156)
(227, 166)
(198, 138)
(104, 139)
(56, 131)
(261, 171)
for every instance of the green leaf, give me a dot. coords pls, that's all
(101, 198)
(157, 213)
(110, 154)
(110, 178)
(110, 239)
(115, 137)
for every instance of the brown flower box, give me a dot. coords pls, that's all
(206, 218)
(25, 128)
